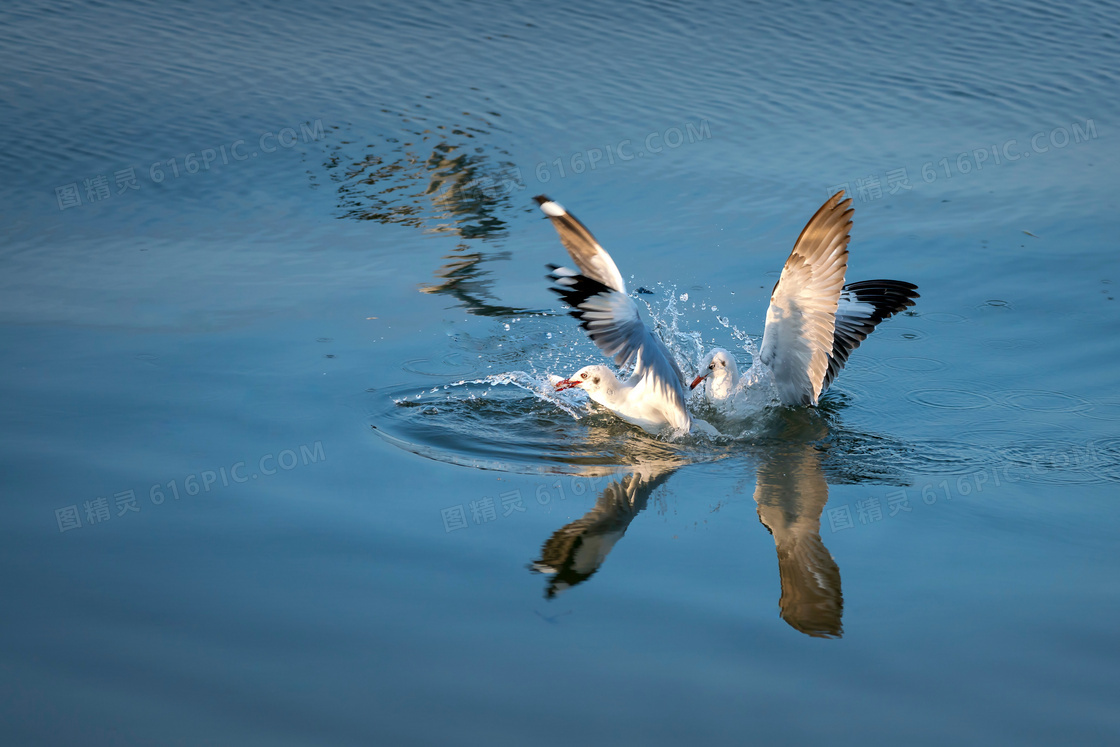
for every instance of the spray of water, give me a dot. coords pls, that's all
(544, 353)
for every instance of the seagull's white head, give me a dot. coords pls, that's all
(721, 372)
(592, 379)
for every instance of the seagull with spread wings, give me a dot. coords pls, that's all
(815, 321)
(653, 396)
(813, 324)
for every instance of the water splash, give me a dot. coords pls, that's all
(485, 420)
(540, 387)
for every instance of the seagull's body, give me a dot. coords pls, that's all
(719, 375)
(814, 321)
(653, 395)
(640, 400)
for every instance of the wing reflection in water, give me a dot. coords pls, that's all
(576, 550)
(791, 492)
(465, 279)
(444, 178)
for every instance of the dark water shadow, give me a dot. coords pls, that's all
(790, 492)
(443, 178)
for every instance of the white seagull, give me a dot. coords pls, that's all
(814, 321)
(719, 373)
(653, 397)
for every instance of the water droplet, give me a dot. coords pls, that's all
(684, 297)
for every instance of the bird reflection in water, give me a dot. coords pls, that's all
(575, 551)
(446, 178)
(790, 492)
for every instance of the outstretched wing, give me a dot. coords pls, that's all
(611, 320)
(591, 259)
(861, 307)
(800, 324)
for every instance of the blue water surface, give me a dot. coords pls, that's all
(280, 461)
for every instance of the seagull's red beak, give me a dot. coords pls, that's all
(565, 384)
(697, 380)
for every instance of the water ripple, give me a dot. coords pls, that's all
(1036, 400)
(950, 399)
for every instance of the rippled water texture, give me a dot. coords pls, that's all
(283, 463)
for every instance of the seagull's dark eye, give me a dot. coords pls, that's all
(711, 366)
(583, 376)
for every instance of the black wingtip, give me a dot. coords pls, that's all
(887, 296)
(542, 199)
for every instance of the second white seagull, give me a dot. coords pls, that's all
(814, 321)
